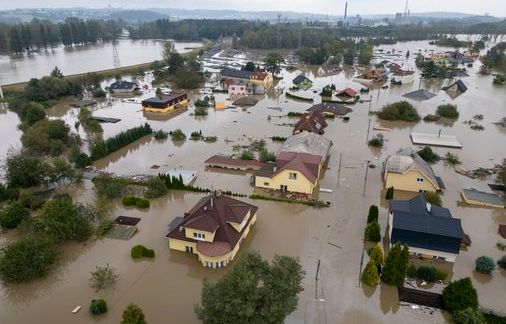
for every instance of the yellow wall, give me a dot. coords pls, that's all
(407, 181)
(267, 82)
(179, 245)
(209, 237)
(301, 184)
(167, 109)
(238, 227)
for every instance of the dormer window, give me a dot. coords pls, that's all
(199, 236)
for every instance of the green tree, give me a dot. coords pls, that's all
(266, 156)
(401, 110)
(376, 255)
(370, 274)
(365, 54)
(373, 214)
(459, 295)
(103, 277)
(484, 264)
(250, 66)
(13, 214)
(447, 111)
(98, 306)
(390, 193)
(468, 316)
(22, 171)
(373, 232)
(253, 291)
(56, 73)
(428, 155)
(433, 198)
(34, 113)
(273, 63)
(133, 315)
(396, 266)
(25, 259)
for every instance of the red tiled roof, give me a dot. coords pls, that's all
(348, 91)
(214, 213)
(311, 122)
(259, 76)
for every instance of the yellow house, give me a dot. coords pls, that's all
(213, 229)
(406, 170)
(292, 172)
(262, 78)
(165, 104)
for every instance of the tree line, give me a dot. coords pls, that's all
(43, 34)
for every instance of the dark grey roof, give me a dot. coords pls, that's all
(300, 78)
(330, 107)
(419, 94)
(484, 197)
(423, 225)
(460, 86)
(231, 73)
(123, 85)
(457, 74)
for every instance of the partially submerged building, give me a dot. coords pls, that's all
(123, 87)
(213, 229)
(302, 82)
(347, 93)
(313, 122)
(330, 108)
(329, 69)
(456, 88)
(165, 104)
(374, 76)
(429, 231)
(407, 171)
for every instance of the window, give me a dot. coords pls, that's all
(189, 249)
(292, 176)
(266, 183)
(199, 236)
(419, 179)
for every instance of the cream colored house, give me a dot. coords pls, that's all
(213, 229)
(406, 170)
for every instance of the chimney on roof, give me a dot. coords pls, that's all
(428, 206)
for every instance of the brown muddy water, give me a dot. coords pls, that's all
(168, 287)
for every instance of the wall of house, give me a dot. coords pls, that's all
(407, 181)
(209, 237)
(237, 90)
(404, 79)
(267, 82)
(238, 227)
(180, 245)
(301, 184)
(167, 109)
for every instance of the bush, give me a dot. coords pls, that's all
(13, 214)
(104, 227)
(200, 111)
(376, 255)
(370, 274)
(278, 138)
(142, 203)
(447, 111)
(247, 155)
(459, 295)
(484, 264)
(433, 198)
(377, 141)
(25, 259)
(451, 159)
(402, 110)
(266, 156)
(160, 135)
(34, 113)
(129, 201)
(502, 262)
(140, 251)
(428, 155)
(468, 316)
(396, 266)
(441, 275)
(103, 277)
(102, 149)
(373, 214)
(373, 232)
(156, 188)
(177, 135)
(46, 137)
(427, 273)
(133, 315)
(98, 93)
(412, 271)
(98, 306)
(390, 193)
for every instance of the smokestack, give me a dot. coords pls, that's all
(345, 10)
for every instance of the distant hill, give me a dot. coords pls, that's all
(136, 15)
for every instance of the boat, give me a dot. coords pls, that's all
(76, 309)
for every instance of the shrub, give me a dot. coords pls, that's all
(484, 264)
(396, 266)
(428, 155)
(133, 315)
(156, 188)
(370, 274)
(142, 203)
(441, 275)
(160, 135)
(104, 227)
(247, 155)
(377, 141)
(390, 193)
(98, 306)
(103, 277)
(451, 159)
(373, 214)
(195, 136)
(200, 111)
(98, 93)
(25, 259)
(266, 156)
(13, 214)
(427, 273)
(433, 198)
(468, 316)
(459, 295)
(376, 255)
(502, 262)
(140, 251)
(278, 138)
(129, 201)
(373, 232)
(412, 271)
(177, 135)
(402, 110)
(447, 111)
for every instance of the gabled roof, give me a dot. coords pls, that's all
(239, 74)
(306, 142)
(300, 78)
(330, 107)
(348, 92)
(259, 76)
(418, 205)
(419, 94)
(461, 87)
(306, 164)
(406, 160)
(311, 122)
(214, 214)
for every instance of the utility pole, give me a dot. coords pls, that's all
(366, 171)
(368, 129)
(370, 103)
(339, 170)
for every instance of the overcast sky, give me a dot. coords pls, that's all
(363, 7)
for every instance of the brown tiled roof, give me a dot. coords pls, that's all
(307, 164)
(213, 214)
(313, 122)
(348, 92)
(259, 76)
(227, 161)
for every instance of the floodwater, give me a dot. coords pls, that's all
(83, 58)
(168, 287)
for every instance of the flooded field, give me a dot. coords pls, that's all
(83, 59)
(168, 287)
